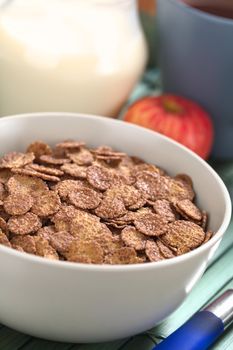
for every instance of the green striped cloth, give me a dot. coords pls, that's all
(217, 278)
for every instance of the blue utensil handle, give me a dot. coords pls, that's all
(198, 333)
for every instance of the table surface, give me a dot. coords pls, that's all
(217, 278)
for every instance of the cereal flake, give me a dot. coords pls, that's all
(18, 203)
(151, 224)
(24, 224)
(133, 238)
(39, 148)
(47, 204)
(16, 160)
(75, 170)
(85, 198)
(99, 177)
(88, 252)
(183, 233)
(27, 243)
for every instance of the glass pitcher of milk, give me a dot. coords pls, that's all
(76, 56)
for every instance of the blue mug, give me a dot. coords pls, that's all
(196, 61)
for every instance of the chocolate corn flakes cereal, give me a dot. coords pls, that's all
(151, 225)
(99, 177)
(63, 218)
(189, 210)
(104, 237)
(89, 252)
(126, 174)
(133, 238)
(208, 236)
(57, 153)
(120, 222)
(44, 169)
(47, 204)
(183, 233)
(109, 243)
(125, 255)
(110, 207)
(104, 230)
(46, 232)
(107, 152)
(101, 206)
(115, 231)
(85, 198)
(164, 250)
(44, 249)
(85, 225)
(150, 203)
(4, 240)
(127, 218)
(75, 170)
(172, 190)
(184, 178)
(83, 157)
(102, 149)
(3, 214)
(70, 144)
(34, 173)
(147, 183)
(142, 256)
(117, 225)
(153, 252)
(26, 184)
(108, 162)
(3, 192)
(148, 167)
(65, 187)
(129, 194)
(39, 148)
(120, 178)
(181, 250)
(18, 203)
(5, 174)
(178, 190)
(204, 221)
(3, 225)
(137, 160)
(27, 243)
(61, 241)
(127, 162)
(109, 159)
(53, 161)
(17, 247)
(16, 160)
(164, 208)
(24, 224)
(142, 211)
(139, 204)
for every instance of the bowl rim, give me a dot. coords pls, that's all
(131, 267)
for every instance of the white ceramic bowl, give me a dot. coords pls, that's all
(86, 303)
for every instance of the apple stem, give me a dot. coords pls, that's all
(172, 106)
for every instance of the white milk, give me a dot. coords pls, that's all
(74, 56)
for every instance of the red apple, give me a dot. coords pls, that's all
(176, 117)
